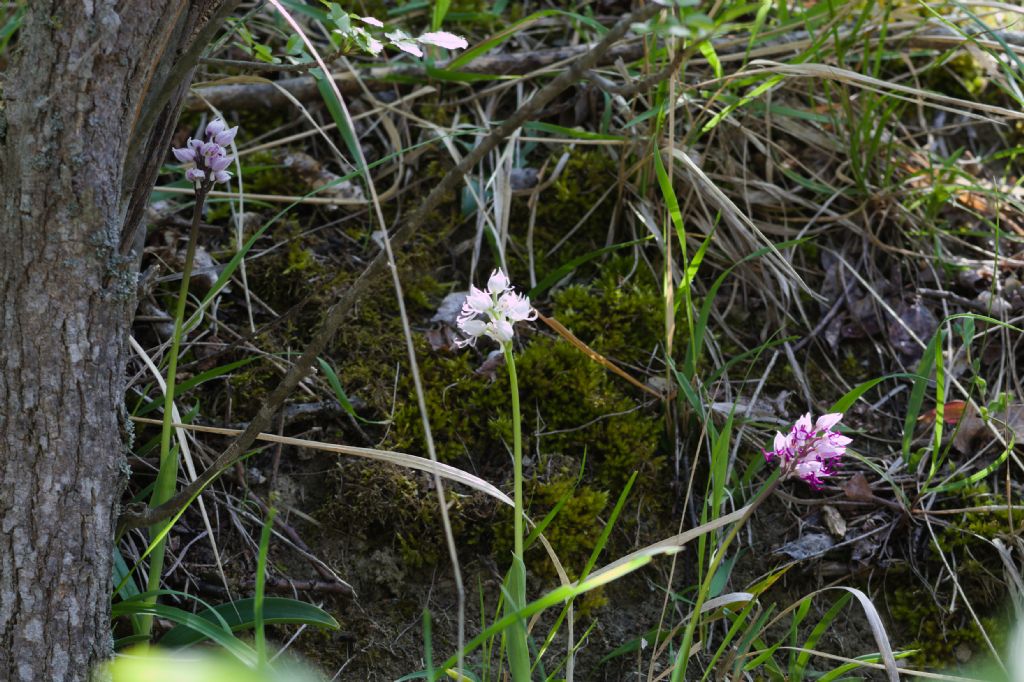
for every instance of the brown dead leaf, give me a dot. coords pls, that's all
(858, 488)
(495, 360)
(952, 411)
(310, 171)
(442, 338)
(807, 546)
(973, 433)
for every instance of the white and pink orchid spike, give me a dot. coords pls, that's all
(209, 156)
(501, 307)
(811, 451)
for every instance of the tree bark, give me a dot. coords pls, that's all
(88, 106)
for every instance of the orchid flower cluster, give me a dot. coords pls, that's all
(209, 155)
(502, 307)
(810, 451)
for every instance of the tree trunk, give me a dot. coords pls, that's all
(88, 106)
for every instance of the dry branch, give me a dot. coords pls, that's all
(248, 92)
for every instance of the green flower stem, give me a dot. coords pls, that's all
(517, 638)
(679, 669)
(517, 449)
(167, 477)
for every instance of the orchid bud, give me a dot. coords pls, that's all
(215, 128)
(498, 282)
(226, 137)
(184, 154)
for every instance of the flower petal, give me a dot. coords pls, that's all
(477, 301)
(219, 163)
(501, 331)
(498, 281)
(403, 42)
(781, 442)
(211, 149)
(372, 21)
(515, 306)
(443, 39)
(215, 127)
(472, 327)
(827, 421)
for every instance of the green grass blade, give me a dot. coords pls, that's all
(339, 393)
(802, 659)
(240, 615)
(438, 15)
(261, 584)
(916, 400)
(561, 271)
(236, 647)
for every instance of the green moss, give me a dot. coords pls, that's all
(619, 319)
(938, 635)
(572, 407)
(973, 528)
(266, 174)
(573, 411)
(579, 188)
(255, 381)
(941, 633)
(390, 507)
(575, 529)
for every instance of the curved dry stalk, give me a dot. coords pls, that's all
(398, 458)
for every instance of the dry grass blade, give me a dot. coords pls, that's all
(399, 458)
(910, 673)
(878, 630)
(676, 542)
(826, 72)
(743, 228)
(726, 600)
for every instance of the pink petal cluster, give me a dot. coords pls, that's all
(402, 40)
(209, 155)
(810, 451)
(501, 306)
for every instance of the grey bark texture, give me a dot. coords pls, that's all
(88, 106)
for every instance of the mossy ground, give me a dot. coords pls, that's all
(586, 431)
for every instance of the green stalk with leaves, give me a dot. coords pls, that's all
(209, 160)
(492, 312)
